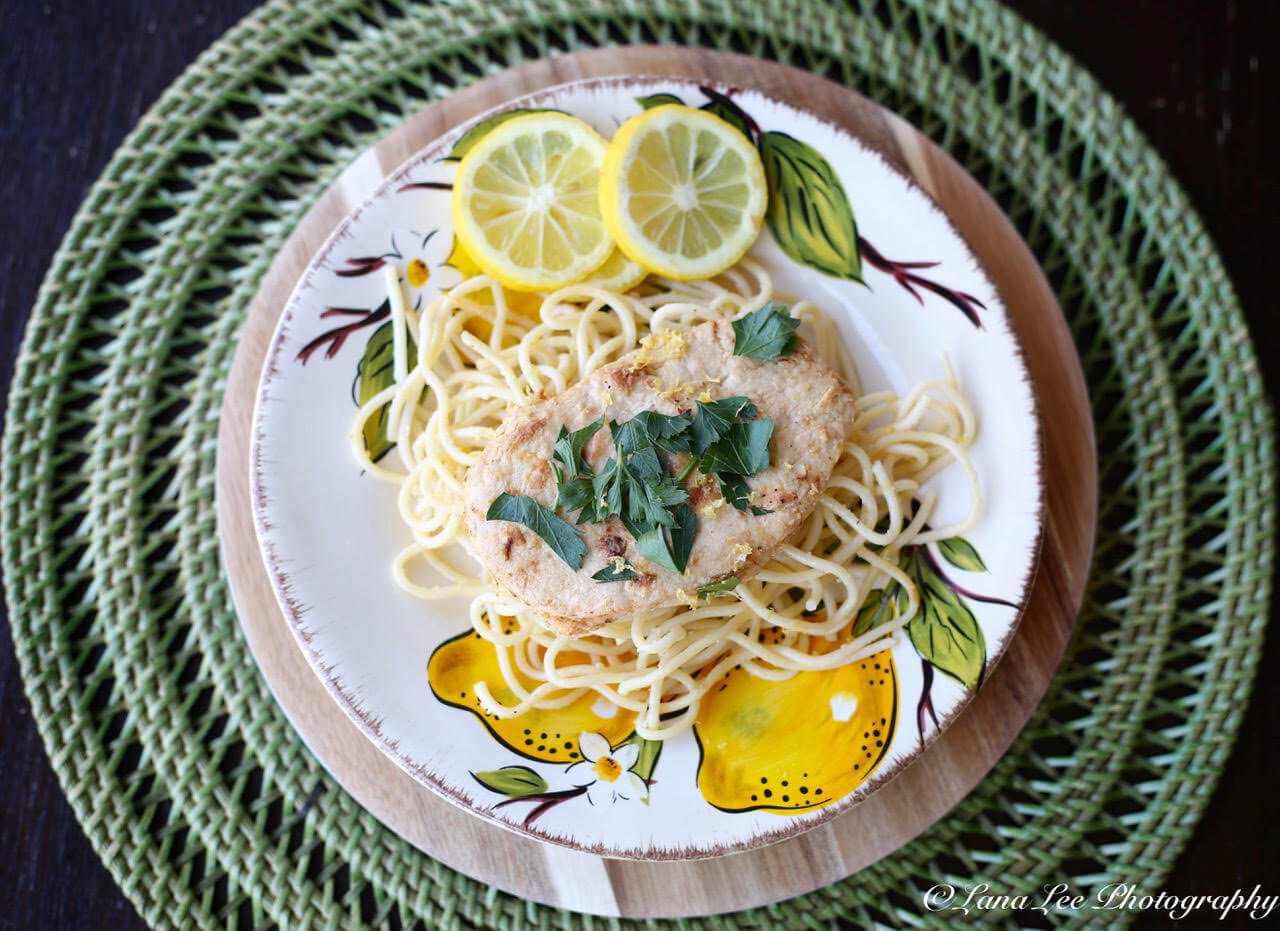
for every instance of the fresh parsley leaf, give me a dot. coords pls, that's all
(722, 437)
(727, 584)
(557, 532)
(682, 536)
(646, 465)
(766, 333)
(734, 490)
(666, 431)
(648, 487)
(744, 450)
(567, 453)
(651, 543)
(577, 494)
(651, 503)
(712, 420)
(610, 574)
(606, 492)
(628, 436)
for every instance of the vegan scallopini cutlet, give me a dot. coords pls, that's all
(812, 412)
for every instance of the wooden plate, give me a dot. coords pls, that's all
(895, 813)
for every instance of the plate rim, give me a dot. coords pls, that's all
(370, 726)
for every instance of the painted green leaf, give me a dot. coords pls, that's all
(960, 553)
(658, 100)
(809, 213)
(647, 761)
(484, 127)
(376, 372)
(879, 608)
(945, 632)
(514, 781)
(720, 105)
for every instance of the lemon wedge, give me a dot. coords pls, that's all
(525, 204)
(682, 192)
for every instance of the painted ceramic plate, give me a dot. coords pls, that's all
(906, 292)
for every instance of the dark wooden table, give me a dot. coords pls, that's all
(1199, 76)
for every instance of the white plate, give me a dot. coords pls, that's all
(328, 533)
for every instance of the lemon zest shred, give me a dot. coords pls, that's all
(665, 344)
(685, 598)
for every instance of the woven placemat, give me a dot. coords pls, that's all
(189, 781)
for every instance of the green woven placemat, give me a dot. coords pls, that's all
(187, 778)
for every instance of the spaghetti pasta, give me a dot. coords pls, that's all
(478, 356)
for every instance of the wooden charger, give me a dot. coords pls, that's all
(927, 789)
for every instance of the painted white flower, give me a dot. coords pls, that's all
(425, 263)
(609, 771)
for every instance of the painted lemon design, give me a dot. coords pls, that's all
(796, 745)
(525, 203)
(682, 192)
(546, 735)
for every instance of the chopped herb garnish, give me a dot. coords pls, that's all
(735, 491)
(557, 532)
(651, 543)
(616, 571)
(667, 431)
(712, 420)
(576, 494)
(683, 535)
(722, 438)
(567, 453)
(727, 584)
(766, 333)
(573, 477)
(744, 450)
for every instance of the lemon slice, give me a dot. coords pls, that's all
(525, 204)
(682, 192)
(618, 273)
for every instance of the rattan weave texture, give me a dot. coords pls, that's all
(189, 781)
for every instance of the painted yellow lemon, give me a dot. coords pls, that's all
(682, 192)
(796, 745)
(525, 204)
(550, 736)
